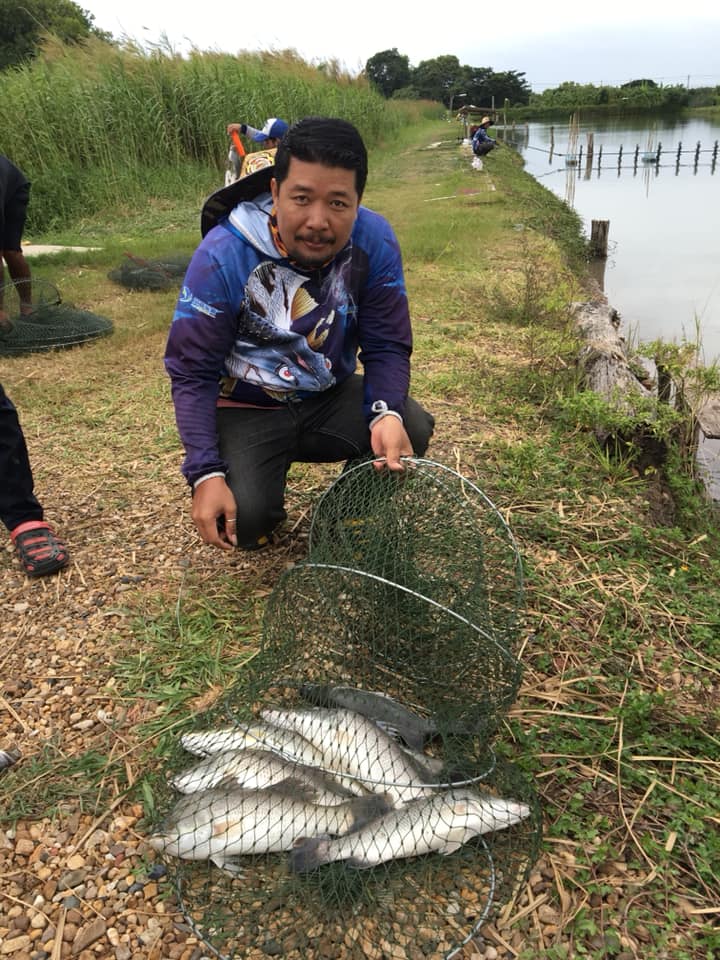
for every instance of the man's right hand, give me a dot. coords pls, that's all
(214, 513)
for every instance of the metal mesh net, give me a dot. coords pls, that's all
(39, 320)
(345, 800)
(137, 273)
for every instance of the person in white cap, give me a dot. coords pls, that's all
(274, 129)
(242, 164)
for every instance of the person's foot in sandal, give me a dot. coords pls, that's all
(39, 549)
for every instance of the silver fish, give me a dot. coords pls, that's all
(204, 743)
(392, 715)
(9, 756)
(220, 825)
(441, 823)
(353, 745)
(251, 768)
(264, 736)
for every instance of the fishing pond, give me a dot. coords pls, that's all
(657, 182)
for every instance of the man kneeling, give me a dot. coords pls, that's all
(293, 282)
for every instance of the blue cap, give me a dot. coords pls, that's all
(273, 129)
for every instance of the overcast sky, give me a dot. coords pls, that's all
(611, 42)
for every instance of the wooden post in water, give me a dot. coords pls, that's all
(620, 157)
(599, 157)
(697, 152)
(679, 151)
(637, 151)
(657, 156)
(588, 161)
(599, 230)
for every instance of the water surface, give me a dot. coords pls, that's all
(663, 269)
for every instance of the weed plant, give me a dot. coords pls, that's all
(96, 127)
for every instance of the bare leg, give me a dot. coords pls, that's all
(19, 270)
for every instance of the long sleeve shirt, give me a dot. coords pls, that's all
(252, 328)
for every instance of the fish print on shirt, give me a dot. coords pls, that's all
(281, 329)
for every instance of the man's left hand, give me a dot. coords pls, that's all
(389, 439)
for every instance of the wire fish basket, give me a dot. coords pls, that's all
(138, 273)
(39, 320)
(429, 530)
(424, 905)
(346, 799)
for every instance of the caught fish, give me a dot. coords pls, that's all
(258, 769)
(263, 736)
(389, 713)
(221, 825)
(203, 743)
(9, 756)
(441, 824)
(353, 745)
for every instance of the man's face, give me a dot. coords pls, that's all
(316, 207)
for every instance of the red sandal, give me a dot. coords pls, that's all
(39, 549)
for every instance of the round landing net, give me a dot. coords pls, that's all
(137, 273)
(345, 799)
(39, 320)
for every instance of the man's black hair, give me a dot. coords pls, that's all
(326, 140)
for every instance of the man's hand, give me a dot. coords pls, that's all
(234, 128)
(214, 513)
(389, 439)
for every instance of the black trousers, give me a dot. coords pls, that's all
(260, 445)
(17, 500)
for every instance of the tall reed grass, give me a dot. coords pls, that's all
(101, 126)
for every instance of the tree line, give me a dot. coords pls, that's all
(643, 94)
(23, 23)
(445, 79)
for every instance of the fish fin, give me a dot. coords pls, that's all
(357, 864)
(413, 737)
(227, 782)
(308, 853)
(367, 809)
(451, 846)
(292, 787)
(228, 864)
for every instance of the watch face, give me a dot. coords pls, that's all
(379, 406)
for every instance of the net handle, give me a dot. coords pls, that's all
(238, 143)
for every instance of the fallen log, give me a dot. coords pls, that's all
(605, 367)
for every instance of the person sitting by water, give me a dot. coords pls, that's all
(481, 142)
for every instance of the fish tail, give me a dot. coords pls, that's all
(365, 809)
(308, 854)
